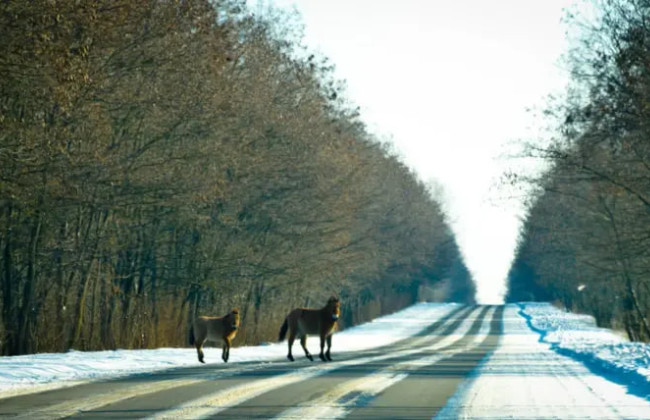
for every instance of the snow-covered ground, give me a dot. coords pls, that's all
(602, 350)
(557, 365)
(543, 350)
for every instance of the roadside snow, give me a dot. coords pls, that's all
(600, 349)
(37, 372)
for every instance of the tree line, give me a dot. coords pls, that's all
(163, 159)
(586, 241)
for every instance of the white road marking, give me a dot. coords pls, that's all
(71, 407)
(334, 404)
(74, 406)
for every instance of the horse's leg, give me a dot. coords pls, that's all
(225, 353)
(322, 345)
(329, 346)
(292, 336)
(199, 348)
(303, 343)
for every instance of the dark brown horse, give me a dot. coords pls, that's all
(302, 322)
(216, 329)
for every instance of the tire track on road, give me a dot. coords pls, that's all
(426, 390)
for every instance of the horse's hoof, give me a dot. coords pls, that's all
(290, 357)
(322, 357)
(329, 359)
(200, 360)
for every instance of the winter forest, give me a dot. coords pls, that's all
(586, 241)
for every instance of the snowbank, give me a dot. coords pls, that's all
(601, 350)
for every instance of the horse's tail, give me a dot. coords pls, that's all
(283, 329)
(191, 335)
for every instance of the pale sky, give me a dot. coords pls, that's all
(450, 82)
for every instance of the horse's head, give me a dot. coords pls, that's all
(334, 308)
(233, 317)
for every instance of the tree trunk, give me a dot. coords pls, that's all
(9, 303)
(85, 278)
(27, 313)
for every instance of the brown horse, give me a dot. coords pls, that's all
(216, 329)
(302, 322)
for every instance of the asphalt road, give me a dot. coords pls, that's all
(412, 378)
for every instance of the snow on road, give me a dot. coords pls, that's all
(526, 378)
